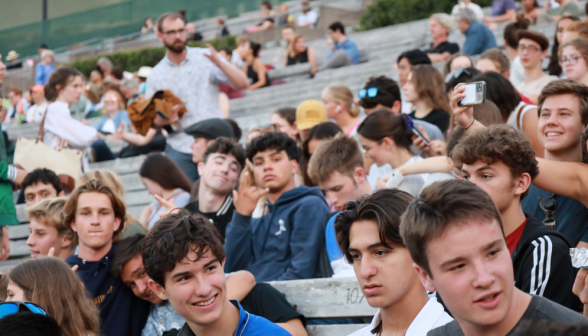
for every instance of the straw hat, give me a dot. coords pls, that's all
(12, 55)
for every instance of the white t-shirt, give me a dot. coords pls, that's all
(412, 184)
(60, 124)
(35, 113)
(534, 88)
(517, 72)
(431, 316)
(304, 19)
(512, 118)
(472, 6)
(108, 126)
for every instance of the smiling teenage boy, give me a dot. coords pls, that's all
(185, 260)
(501, 161)
(455, 237)
(96, 214)
(49, 230)
(368, 234)
(284, 243)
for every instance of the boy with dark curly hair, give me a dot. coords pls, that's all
(501, 161)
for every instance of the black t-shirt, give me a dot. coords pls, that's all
(266, 301)
(221, 218)
(451, 48)
(540, 309)
(436, 117)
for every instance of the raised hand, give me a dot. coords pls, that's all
(580, 288)
(213, 56)
(462, 115)
(51, 253)
(420, 142)
(245, 200)
(169, 206)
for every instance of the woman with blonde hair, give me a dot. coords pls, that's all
(51, 284)
(299, 53)
(573, 57)
(114, 114)
(342, 108)
(425, 90)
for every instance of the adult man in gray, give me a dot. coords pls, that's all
(193, 75)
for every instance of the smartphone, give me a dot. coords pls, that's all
(475, 94)
(418, 134)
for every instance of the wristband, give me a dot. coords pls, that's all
(394, 180)
(471, 124)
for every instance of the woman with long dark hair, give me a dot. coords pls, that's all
(554, 67)
(253, 66)
(163, 178)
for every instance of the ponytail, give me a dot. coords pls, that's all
(385, 124)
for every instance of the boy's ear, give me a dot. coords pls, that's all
(426, 279)
(294, 166)
(157, 289)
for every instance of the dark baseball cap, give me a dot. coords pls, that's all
(210, 129)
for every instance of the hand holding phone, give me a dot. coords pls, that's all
(475, 94)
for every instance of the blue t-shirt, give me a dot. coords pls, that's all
(478, 39)
(500, 7)
(350, 48)
(571, 216)
(331, 239)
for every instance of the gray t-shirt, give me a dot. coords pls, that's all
(540, 309)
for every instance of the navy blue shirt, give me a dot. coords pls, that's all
(478, 39)
(121, 312)
(571, 216)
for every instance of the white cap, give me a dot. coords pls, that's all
(144, 71)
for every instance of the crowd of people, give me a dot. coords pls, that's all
(455, 220)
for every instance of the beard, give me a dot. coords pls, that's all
(176, 48)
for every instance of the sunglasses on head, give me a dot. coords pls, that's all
(371, 92)
(9, 308)
(548, 205)
(456, 74)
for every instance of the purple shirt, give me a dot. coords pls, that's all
(500, 7)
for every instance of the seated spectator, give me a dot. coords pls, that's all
(337, 168)
(267, 15)
(368, 233)
(253, 66)
(284, 119)
(514, 110)
(296, 219)
(387, 139)
(132, 226)
(343, 51)
(511, 44)
(121, 313)
(454, 227)
(283, 17)
(44, 68)
(262, 299)
(36, 112)
(221, 29)
(309, 114)
(51, 284)
(105, 64)
(566, 7)
(147, 26)
(49, 231)
(165, 180)
(574, 30)
(308, 17)
(573, 56)
(154, 141)
(440, 25)
(191, 245)
(501, 161)
(341, 107)
(97, 78)
(478, 37)
(27, 323)
(205, 132)
(425, 90)
(18, 106)
(219, 169)
(299, 53)
(114, 114)
(562, 111)
(316, 136)
(404, 65)
(554, 67)
(470, 5)
(288, 34)
(502, 11)
(191, 33)
(494, 60)
(456, 61)
(130, 90)
(461, 75)
(531, 10)
(41, 184)
(64, 88)
(533, 50)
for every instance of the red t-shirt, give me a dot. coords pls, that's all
(513, 239)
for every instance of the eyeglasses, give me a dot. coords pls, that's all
(9, 308)
(456, 74)
(372, 92)
(572, 59)
(530, 48)
(548, 205)
(174, 32)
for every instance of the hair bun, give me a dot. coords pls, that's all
(522, 21)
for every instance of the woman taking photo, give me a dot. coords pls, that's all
(165, 179)
(253, 66)
(425, 90)
(340, 107)
(64, 88)
(573, 57)
(299, 53)
(114, 114)
(51, 284)
(386, 139)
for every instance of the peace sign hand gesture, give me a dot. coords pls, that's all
(245, 200)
